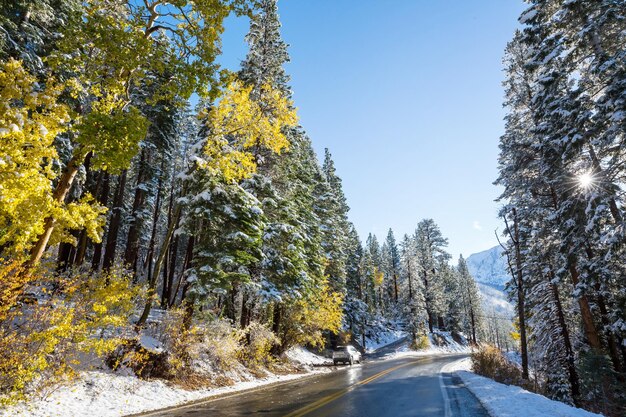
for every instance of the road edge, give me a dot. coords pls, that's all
(220, 396)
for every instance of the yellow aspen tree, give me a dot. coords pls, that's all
(30, 119)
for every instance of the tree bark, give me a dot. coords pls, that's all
(157, 270)
(569, 351)
(521, 297)
(60, 192)
(395, 287)
(115, 222)
(103, 198)
(132, 242)
(585, 311)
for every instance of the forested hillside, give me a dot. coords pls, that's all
(130, 219)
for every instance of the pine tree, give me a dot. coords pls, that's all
(431, 255)
(391, 262)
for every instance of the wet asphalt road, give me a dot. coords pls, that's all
(397, 387)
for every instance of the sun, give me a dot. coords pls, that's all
(585, 180)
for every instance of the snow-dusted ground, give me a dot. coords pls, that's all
(107, 394)
(451, 347)
(305, 357)
(502, 400)
(384, 339)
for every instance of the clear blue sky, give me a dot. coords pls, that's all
(407, 96)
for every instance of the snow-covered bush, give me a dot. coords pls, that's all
(221, 344)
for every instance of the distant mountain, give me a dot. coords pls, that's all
(495, 301)
(491, 272)
(489, 267)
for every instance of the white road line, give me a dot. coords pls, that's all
(444, 393)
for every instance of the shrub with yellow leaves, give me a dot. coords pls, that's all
(42, 336)
(258, 340)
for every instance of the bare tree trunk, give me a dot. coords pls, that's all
(64, 256)
(132, 242)
(115, 222)
(518, 275)
(569, 352)
(155, 224)
(473, 322)
(185, 266)
(395, 287)
(428, 311)
(103, 199)
(157, 270)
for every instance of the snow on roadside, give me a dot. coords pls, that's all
(107, 394)
(384, 339)
(305, 357)
(451, 348)
(464, 364)
(502, 400)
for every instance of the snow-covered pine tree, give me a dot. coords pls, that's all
(470, 296)
(431, 255)
(412, 287)
(391, 267)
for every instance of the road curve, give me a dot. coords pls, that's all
(410, 386)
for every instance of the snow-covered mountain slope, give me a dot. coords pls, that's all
(490, 270)
(495, 301)
(489, 267)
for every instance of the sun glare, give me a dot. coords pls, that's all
(585, 180)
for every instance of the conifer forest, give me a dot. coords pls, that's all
(164, 218)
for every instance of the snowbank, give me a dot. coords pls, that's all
(304, 357)
(502, 400)
(450, 347)
(107, 394)
(383, 339)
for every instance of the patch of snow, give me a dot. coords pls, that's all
(384, 339)
(511, 401)
(452, 348)
(150, 344)
(305, 357)
(104, 394)
(464, 364)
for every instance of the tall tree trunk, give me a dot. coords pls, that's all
(103, 198)
(395, 287)
(132, 242)
(155, 223)
(589, 326)
(157, 270)
(591, 332)
(472, 319)
(115, 222)
(569, 351)
(169, 267)
(185, 266)
(60, 192)
(521, 297)
(64, 256)
(93, 186)
(428, 311)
